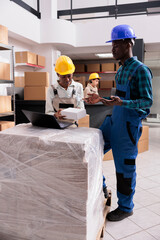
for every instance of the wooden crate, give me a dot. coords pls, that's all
(107, 205)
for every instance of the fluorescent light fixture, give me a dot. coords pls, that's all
(104, 55)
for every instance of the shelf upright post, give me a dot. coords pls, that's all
(13, 78)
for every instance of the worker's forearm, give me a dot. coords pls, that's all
(137, 104)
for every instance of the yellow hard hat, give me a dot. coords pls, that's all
(94, 76)
(64, 65)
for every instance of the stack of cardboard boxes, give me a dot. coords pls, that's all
(5, 107)
(4, 67)
(30, 58)
(96, 67)
(36, 85)
(5, 101)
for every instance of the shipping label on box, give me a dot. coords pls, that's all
(19, 82)
(26, 57)
(4, 71)
(93, 67)
(106, 83)
(3, 35)
(107, 67)
(35, 93)
(36, 79)
(41, 61)
(5, 104)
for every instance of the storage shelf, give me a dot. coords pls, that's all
(7, 114)
(95, 71)
(28, 65)
(6, 81)
(5, 47)
(101, 89)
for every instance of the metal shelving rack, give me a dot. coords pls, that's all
(9, 116)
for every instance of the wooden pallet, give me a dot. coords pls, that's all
(107, 205)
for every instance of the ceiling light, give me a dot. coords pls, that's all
(104, 55)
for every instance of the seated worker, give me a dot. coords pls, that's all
(66, 92)
(92, 85)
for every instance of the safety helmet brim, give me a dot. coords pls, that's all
(120, 32)
(119, 39)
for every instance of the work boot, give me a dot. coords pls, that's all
(118, 215)
(106, 195)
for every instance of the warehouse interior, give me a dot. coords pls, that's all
(45, 30)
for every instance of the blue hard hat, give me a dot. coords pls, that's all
(122, 32)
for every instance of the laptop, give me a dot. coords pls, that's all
(45, 120)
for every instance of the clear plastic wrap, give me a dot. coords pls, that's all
(50, 183)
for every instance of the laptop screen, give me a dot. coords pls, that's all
(44, 120)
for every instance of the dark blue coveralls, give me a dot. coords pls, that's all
(121, 133)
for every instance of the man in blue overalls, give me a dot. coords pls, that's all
(122, 130)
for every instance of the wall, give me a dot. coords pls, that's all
(156, 86)
(19, 21)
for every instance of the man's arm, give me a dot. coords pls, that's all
(49, 105)
(145, 98)
(80, 96)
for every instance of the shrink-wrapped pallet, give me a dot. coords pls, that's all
(50, 183)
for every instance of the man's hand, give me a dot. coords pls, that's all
(94, 98)
(58, 115)
(114, 101)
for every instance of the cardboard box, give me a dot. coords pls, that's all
(81, 79)
(36, 79)
(107, 67)
(6, 124)
(145, 133)
(74, 113)
(93, 67)
(79, 68)
(26, 57)
(84, 122)
(108, 156)
(106, 83)
(3, 35)
(41, 61)
(35, 93)
(143, 145)
(19, 82)
(5, 104)
(4, 71)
